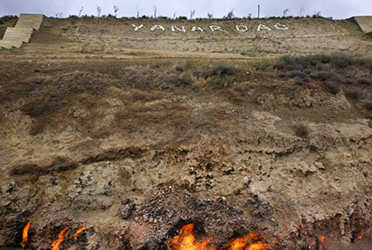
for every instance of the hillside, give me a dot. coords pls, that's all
(264, 135)
(118, 39)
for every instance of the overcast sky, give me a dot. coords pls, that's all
(338, 9)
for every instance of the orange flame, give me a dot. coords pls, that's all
(25, 234)
(258, 246)
(322, 241)
(321, 238)
(186, 240)
(81, 229)
(246, 243)
(61, 236)
(360, 227)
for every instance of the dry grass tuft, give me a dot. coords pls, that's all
(301, 130)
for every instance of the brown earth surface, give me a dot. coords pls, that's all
(136, 134)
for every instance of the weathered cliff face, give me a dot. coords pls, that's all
(136, 153)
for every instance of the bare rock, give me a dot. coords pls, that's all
(126, 210)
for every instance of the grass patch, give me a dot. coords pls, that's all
(333, 87)
(364, 81)
(222, 70)
(252, 53)
(301, 130)
(353, 93)
(262, 64)
(368, 105)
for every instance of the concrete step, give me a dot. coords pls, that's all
(9, 45)
(22, 32)
(15, 38)
(364, 23)
(30, 21)
(22, 39)
(19, 31)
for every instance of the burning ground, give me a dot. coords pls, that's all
(182, 154)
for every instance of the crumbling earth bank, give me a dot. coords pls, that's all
(134, 162)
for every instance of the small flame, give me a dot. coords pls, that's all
(246, 243)
(81, 229)
(25, 234)
(61, 236)
(186, 240)
(360, 229)
(321, 238)
(258, 246)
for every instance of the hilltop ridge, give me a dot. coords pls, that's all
(236, 38)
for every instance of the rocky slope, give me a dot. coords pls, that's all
(133, 151)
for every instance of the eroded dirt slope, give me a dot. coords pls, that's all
(132, 150)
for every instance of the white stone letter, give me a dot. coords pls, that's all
(136, 28)
(157, 27)
(279, 26)
(241, 28)
(215, 27)
(174, 28)
(197, 29)
(262, 27)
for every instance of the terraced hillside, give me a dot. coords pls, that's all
(112, 138)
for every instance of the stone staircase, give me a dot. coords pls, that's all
(26, 25)
(364, 22)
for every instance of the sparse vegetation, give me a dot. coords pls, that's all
(325, 76)
(368, 105)
(334, 72)
(299, 81)
(99, 11)
(5, 19)
(262, 64)
(222, 70)
(116, 9)
(364, 81)
(230, 15)
(301, 130)
(353, 93)
(81, 11)
(180, 68)
(297, 73)
(252, 53)
(332, 87)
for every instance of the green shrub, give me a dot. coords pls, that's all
(222, 70)
(353, 93)
(364, 81)
(326, 75)
(307, 71)
(302, 131)
(332, 87)
(299, 81)
(368, 105)
(180, 68)
(181, 82)
(297, 73)
(285, 62)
